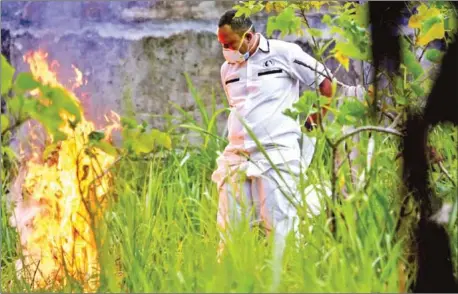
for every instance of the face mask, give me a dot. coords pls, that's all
(234, 56)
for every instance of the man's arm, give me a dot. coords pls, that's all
(310, 72)
(325, 90)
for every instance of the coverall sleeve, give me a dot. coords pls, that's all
(303, 66)
(223, 79)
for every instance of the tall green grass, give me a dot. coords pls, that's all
(160, 232)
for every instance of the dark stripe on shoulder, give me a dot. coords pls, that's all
(303, 64)
(232, 81)
(270, 72)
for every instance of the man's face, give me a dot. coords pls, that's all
(231, 40)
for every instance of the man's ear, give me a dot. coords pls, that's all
(249, 36)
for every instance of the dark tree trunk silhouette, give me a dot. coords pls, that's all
(435, 265)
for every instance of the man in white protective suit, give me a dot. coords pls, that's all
(261, 79)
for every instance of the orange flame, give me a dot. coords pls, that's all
(113, 121)
(59, 199)
(78, 79)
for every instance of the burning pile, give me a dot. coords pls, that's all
(59, 197)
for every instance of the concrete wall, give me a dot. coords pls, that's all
(137, 47)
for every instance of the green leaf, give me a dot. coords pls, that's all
(9, 152)
(305, 103)
(7, 76)
(50, 119)
(401, 99)
(412, 64)
(29, 105)
(333, 130)
(26, 82)
(5, 122)
(315, 32)
(337, 30)
(351, 111)
(145, 143)
(437, 3)
(437, 31)
(350, 50)
(129, 137)
(243, 11)
(450, 23)
(291, 113)
(257, 8)
(399, 84)
(128, 122)
(96, 136)
(302, 106)
(144, 125)
(62, 99)
(286, 22)
(58, 135)
(453, 216)
(348, 5)
(21, 108)
(105, 147)
(361, 15)
(418, 90)
(271, 27)
(325, 46)
(324, 100)
(434, 55)
(326, 19)
(15, 105)
(427, 24)
(162, 139)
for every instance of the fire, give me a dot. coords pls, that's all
(59, 199)
(78, 78)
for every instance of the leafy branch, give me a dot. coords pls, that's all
(350, 21)
(315, 43)
(365, 129)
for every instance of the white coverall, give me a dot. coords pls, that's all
(258, 91)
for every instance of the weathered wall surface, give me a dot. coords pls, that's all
(137, 47)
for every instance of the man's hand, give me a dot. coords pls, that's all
(325, 90)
